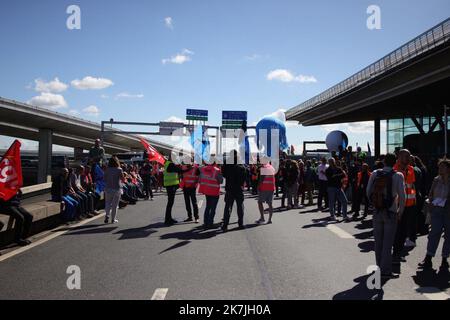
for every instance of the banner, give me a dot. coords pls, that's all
(153, 155)
(11, 172)
(99, 179)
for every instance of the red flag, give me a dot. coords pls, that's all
(11, 172)
(153, 155)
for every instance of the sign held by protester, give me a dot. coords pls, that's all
(11, 172)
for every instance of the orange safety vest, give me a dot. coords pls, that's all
(410, 179)
(209, 185)
(190, 178)
(267, 182)
(358, 183)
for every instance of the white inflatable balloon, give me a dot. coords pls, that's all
(335, 139)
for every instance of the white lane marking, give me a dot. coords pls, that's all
(432, 293)
(200, 204)
(160, 294)
(53, 235)
(339, 232)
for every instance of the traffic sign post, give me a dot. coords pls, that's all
(233, 119)
(196, 115)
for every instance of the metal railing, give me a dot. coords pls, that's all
(428, 40)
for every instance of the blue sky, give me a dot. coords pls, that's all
(134, 64)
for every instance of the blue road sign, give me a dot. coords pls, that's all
(234, 115)
(197, 113)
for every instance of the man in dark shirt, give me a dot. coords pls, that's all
(22, 217)
(62, 192)
(335, 193)
(235, 177)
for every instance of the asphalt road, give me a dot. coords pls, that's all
(299, 256)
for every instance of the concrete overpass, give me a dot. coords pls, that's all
(24, 121)
(411, 81)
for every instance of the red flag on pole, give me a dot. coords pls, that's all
(153, 155)
(11, 172)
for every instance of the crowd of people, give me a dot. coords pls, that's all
(404, 197)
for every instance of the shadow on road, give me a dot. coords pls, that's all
(137, 233)
(364, 235)
(361, 291)
(432, 279)
(91, 231)
(367, 246)
(364, 224)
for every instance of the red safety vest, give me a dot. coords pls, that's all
(209, 185)
(267, 182)
(360, 177)
(410, 179)
(190, 178)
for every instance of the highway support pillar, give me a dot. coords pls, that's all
(45, 155)
(377, 133)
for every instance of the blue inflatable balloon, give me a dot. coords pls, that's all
(271, 124)
(200, 143)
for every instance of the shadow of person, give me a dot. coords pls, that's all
(364, 224)
(197, 233)
(364, 235)
(91, 231)
(367, 246)
(136, 233)
(361, 291)
(430, 279)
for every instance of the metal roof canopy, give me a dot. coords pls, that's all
(412, 80)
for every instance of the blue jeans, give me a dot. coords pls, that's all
(440, 221)
(70, 205)
(210, 210)
(339, 195)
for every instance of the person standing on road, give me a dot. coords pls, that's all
(335, 176)
(171, 183)
(146, 175)
(407, 225)
(323, 185)
(189, 185)
(291, 180)
(361, 191)
(235, 176)
(386, 191)
(266, 189)
(210, 181)
(440, 217)
(113, 188)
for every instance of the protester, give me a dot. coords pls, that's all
(171, 183)
(440, 217)
(360, 196)
(323, 185)
(22, 218)
(189, 185)
(291, 179)
(335, 175)
(96, 153)
(266, 188)
(113, 188)
(146, 174)
(88, 198)
(308, 180)
(422, 187)
(88, 184)
(210, 181)
(386, 190)
(406, 229)
(235, 177)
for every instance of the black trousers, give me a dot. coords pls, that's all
(191, 197)
(171, 191)
(404, 229)
(323, 194)
(230, 198)
(148, 188)
(23, 220)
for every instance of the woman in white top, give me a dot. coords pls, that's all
(113, 188)
(440, 216)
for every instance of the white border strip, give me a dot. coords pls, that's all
(160, 294)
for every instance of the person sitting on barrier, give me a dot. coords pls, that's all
(22, 218)
(88, 184)
(62, 192)
(75, 181)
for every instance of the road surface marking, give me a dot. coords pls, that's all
(339, 232)
(200, 204)
(160, 294)
(433, 293)
(51, 236)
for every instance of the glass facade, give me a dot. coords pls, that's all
(401, 132)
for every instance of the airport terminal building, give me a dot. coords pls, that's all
(409, 88)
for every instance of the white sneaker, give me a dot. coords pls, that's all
(409, 243)
(115, 221)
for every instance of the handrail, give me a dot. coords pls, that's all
(426, 41)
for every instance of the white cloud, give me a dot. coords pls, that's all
(179, 58)
(49, 101)
(74, 112)
(129, 95)
(284, 75)
(92, 111)
(174, 119)
(104, 96)
(91, 83)
(169, 22)
(51, 86)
